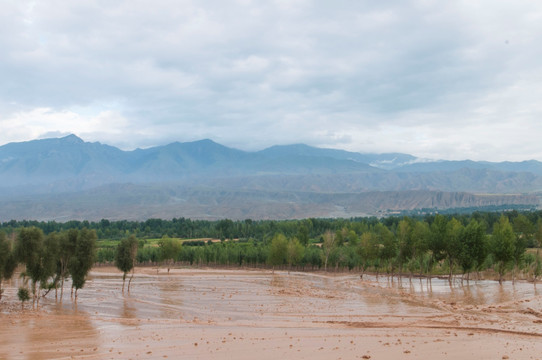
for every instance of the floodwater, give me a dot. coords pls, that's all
(245, 314)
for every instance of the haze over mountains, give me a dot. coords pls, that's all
(67, 178)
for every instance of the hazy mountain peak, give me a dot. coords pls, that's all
(204, 142)
(71, 160)
(287, 172)
(72, 139)
(298, 146)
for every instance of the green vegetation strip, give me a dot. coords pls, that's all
(495, 244)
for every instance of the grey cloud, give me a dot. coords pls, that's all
(252, 74)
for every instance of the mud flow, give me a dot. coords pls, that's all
(243, 314)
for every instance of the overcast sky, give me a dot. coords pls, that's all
(436, 79)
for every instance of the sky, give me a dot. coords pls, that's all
(436, 79)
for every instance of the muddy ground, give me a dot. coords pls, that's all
(244, 314)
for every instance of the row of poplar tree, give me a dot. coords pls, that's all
(411, 246)
(256, 229)
(50, 259)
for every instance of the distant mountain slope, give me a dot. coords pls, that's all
(530, 166)
(50, 160)
(182, 160)
(138, 202)
(463, 180)
(383, 161)
(69, 163)
(304, 179)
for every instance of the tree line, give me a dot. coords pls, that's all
(246, 229)
(436, 245)
(48, 260)
(446, 246)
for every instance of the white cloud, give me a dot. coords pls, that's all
(444, 80)
(38, 123)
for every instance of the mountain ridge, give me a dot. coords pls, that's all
(207, 152)
(64, 167)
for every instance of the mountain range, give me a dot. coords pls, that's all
(68, 178)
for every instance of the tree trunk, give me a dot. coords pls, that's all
(38, 297)
(130, 281)
(61, 288)
(33, 294)
(536, 266)
(451, 270)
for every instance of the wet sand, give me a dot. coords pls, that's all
(244, 314)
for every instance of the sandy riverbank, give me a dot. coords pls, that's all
(246, 314)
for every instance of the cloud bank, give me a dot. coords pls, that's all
(449, 80)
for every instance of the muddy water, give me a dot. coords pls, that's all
(241, 314)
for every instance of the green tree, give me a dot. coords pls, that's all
(277, 250)
(452, 244)
(538, 243)
(82, 260)
(7, 260)
(538, 233)
(367, 250)
(473, 247)
(502, 245)
(420, 244)
(225, 229)
(524, 228)
(520, 245)
(313, 256)
(329, 245)
(125, 258)
(387, 247)
(437, 238)
(169, 250)
(23, 296)
(341, 236)
(537, 268)
(67, 244)
(31, 252)
(303, 234)
(353, 239)
(525, 231)
(50, 262)
(4, 255)
(436, 244)
(404, 242)
(294, 252)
